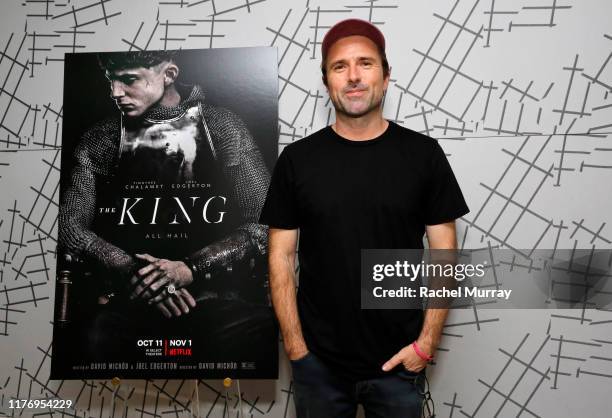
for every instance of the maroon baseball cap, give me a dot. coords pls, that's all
(350, 27)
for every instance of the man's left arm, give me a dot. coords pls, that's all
(440, 236)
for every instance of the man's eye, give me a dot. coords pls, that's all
(338, 67)
(366, 63)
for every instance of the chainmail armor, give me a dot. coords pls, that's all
(96, 157)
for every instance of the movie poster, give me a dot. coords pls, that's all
(166, 162)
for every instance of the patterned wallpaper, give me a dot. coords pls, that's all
(519, 94)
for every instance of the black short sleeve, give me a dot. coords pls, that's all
(280, 209)
(444, 201)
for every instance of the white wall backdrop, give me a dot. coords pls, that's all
(519, 93)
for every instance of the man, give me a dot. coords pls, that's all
(363, 182)
(166, 137)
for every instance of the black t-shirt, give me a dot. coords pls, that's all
(346, 195)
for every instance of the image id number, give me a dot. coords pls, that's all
(39, 403)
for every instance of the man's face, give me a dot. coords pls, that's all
(136, 89)
(355, 79)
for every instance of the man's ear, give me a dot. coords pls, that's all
(171, 72)
(386, 80)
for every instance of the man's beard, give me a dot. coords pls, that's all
(340, 106)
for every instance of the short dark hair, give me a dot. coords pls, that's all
(383, 59)
(112, 61)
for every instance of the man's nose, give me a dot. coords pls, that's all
(354, 73)
(116, 89)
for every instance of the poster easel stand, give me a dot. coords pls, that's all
(227, 383)
(195, 398)
(116, 383)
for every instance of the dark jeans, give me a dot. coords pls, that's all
(319, 392)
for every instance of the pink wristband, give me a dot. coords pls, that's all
(421, 354)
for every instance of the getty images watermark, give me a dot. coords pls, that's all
(491, 277)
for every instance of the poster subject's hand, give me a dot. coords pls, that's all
(408, 358)
(176, 305)
(157, 275)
